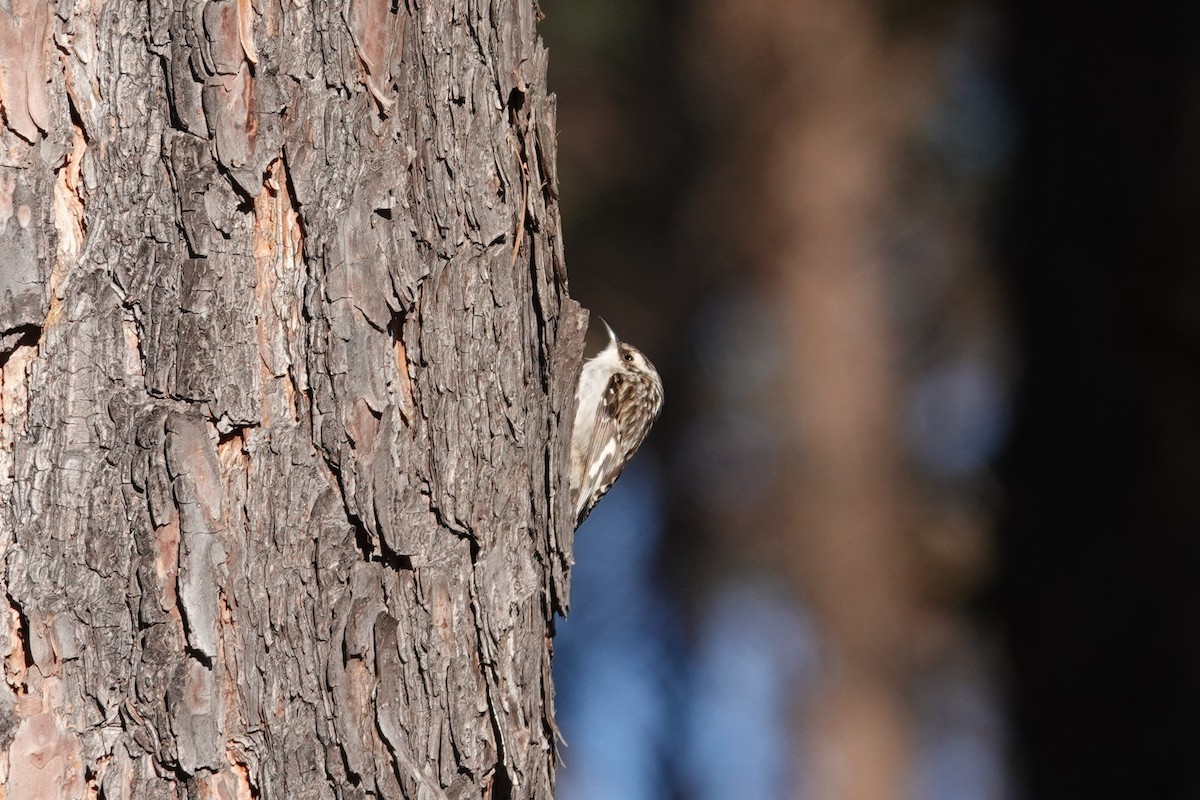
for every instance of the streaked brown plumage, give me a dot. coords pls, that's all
(619, 397)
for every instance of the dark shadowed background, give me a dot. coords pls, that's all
(922, 515)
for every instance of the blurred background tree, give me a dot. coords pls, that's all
(920, 517)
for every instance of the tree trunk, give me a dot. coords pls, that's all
(286, 371)
(827, 96)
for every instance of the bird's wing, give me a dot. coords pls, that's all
(604, 455)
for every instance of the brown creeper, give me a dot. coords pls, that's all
(619, 396)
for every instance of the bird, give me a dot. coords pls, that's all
(618, 398)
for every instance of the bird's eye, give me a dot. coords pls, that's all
(629, 357)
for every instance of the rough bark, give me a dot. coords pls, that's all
(286, 362)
